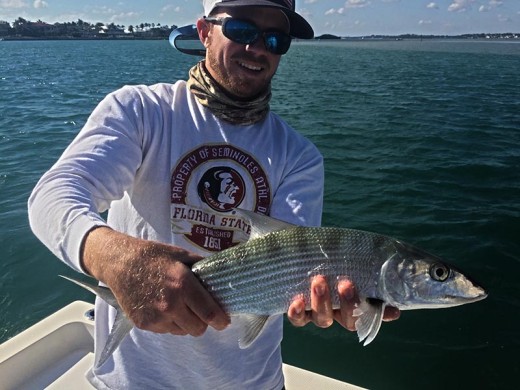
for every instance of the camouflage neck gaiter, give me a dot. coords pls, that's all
(211, 95)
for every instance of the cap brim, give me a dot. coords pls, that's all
(300, 28)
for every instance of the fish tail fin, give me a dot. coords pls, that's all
(103, 292)
(122, 325)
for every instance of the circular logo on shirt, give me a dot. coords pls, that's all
(207, 183)
(221, 188)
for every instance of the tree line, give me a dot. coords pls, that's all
(22, 28)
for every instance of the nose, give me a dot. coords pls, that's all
(257, 46)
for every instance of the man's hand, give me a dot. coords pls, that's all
(153, 283)
(321, 313)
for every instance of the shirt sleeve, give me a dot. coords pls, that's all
(299, 197)
(97, 168)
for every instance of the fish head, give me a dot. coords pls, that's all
(414, 279)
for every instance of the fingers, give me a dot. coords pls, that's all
(204, 307)
(391, 314)
(199, 303)
(321, 313)
(177, 331)
(321, 303)
(181, 306)
(191, 308)
(348, 302)
(175, 318)
(181, 320)
(184, 322)
(296, 313)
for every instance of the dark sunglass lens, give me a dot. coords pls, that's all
(277, 43)
(240, 31)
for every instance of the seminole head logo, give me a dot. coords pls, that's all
(221, 188)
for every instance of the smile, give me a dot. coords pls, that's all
(250, 67)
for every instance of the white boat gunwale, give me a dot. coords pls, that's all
(57, 352)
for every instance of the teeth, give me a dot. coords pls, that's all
(252, 67)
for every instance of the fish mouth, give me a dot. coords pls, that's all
(480, 297)
(467, 298)
(472, 290)
(477, 293)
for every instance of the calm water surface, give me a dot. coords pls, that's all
(421, 142)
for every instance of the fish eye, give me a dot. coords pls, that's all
(439, 272)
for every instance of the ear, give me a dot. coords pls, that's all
(203, 29)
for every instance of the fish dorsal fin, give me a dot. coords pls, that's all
(251, 326)
(370, 313)
(121, 327)
(262, 224)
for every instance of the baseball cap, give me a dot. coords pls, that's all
(299, 27)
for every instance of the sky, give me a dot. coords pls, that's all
(339, 17)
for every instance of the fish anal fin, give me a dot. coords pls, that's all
(251, 326)
(262, 224)
(370, 315)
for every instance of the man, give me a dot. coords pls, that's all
(150, 155)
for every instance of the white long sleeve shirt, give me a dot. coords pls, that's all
(168, 170)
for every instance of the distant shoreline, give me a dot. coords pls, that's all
(317, 39)
(326, 37)
(400, 37)
(340, 39)
(22, 29)
(130, 38)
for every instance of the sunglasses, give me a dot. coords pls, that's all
(246, 33)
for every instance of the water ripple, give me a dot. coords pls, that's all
(421, 141)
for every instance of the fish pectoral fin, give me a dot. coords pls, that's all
(122, 326)
(251, 326)
(370, 313)
(262, 224)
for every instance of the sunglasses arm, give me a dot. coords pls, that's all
(183, 34)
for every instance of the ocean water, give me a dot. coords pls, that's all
(421, 142)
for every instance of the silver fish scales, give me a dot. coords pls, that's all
(264, 275)
(261, 277)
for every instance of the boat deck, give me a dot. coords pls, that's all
(57, 352)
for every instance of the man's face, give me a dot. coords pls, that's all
(244, 71)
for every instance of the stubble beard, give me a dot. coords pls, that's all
(232, 84)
